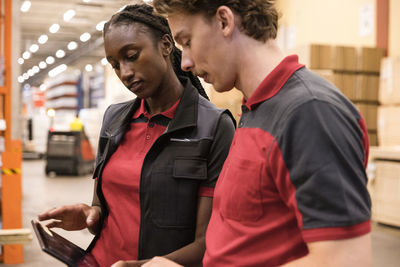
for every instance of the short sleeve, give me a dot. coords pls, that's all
(219, 151)
(321, 146)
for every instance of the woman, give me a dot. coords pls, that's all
(159, 155)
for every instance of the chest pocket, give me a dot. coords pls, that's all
(240, 190)
(174, 192)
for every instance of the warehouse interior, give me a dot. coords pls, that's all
(53, 70)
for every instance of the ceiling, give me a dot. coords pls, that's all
(43, 13)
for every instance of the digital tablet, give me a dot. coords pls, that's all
(62, 249)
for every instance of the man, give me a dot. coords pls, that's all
(292, 191)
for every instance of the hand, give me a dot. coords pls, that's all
(160, 262)
(129, 263)
(73, 217)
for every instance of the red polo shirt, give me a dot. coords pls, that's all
(295, 173)
(120, 184)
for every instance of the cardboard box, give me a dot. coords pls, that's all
(370, 114)
(387, 192)
(367, 88)
(369, 59)
(349, 86)
(320, 56)
(389, 125)
(344, 58)
(373, 138)
(389, 83)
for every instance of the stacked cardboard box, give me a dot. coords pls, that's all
(384, 184)
(355, 71)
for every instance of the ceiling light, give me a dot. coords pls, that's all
(35, 69)
(50, 60)
(26, 5)
(57, 70)
(42, 65)
(26, 55)
(85, 37)
(60, 53)
(88, 68)
(72, 45)
(26, 76)
(43, 87)
(104, 61)
(69, 14)
(86, 1)
(31, 72)
(34, 48)
(100, 25)
(21, 61)
(21, 79)
(43, 39)
(54, 28)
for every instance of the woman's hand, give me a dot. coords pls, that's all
(73, 217)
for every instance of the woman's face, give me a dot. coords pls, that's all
(138, 61)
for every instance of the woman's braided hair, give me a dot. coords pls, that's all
(158, 25)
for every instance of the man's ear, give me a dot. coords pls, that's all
(166, 45)
(226, 20)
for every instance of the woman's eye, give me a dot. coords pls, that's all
(133, 57)
(115, 66)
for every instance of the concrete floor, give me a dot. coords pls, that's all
(41, 193)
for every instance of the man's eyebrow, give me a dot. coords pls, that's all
(178, 36)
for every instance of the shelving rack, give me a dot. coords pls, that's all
(11, 158)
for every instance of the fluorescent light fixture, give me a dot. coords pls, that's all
(60, 53)
(21, 61)
(21, 79)
(26, 76)
(50, 60)
(51, 112)
(34, 48)
(100, 25)
(86, 1)
(31, 72)
(69, 14)
(35, 69)
(88, 68)
(43, 39)
(85, 37)
(26, 55)
(42, 65)
(104, 61)
(26, 5)
(57, 70)
(42, 87)
(72, 45)
(54, 28)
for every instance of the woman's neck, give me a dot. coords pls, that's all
(170, 91)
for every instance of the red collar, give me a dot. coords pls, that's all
(169, 113)
(274, 81)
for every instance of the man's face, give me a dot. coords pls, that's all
(205, 51)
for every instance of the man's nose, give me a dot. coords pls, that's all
(187, 63)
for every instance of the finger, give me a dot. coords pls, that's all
(55, 224)
(92, 217)
(45, 215)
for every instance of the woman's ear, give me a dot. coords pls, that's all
(167, 44)
(226, 20)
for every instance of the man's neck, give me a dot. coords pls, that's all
(256, 62)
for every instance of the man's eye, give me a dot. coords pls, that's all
(186, 44)
(115, 66)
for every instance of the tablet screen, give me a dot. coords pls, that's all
(61, 248)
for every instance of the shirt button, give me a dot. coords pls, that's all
(148, 137)
(151, 124)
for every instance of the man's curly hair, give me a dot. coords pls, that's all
(259, 17)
